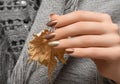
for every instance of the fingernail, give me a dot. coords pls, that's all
(54, 43)
(52, 14)
(70, 50)
(50, 36)
(52, 23)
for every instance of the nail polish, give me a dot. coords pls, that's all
(70, 50)
(54, 43)
(52, 14)
(52, 23)
(50, 36)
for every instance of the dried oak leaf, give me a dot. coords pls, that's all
(40, 51)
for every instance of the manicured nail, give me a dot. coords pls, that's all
(52, 14)
(52, 23)
(54, 43)
(70, 50)
(50, 36)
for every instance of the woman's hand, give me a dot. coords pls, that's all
(92, 35)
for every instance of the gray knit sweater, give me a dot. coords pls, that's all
(76, 71)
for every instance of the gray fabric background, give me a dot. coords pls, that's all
(76, 71)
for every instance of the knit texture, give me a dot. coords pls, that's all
(16, 18)
(76, 71)
(23, 70)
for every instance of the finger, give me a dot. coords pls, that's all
(110, 53)
(88, 41)
(83, 28)
(81, 16)
(53, 17)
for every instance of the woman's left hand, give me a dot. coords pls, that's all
(92, 35)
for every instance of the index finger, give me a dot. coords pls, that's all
(77, 16)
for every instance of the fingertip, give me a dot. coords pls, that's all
(69, 50)
(53, 16)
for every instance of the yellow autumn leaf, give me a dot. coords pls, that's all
(40, 51)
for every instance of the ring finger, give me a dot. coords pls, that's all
(87, 41)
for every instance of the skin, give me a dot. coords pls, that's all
(94, 36)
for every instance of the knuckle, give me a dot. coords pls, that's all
(85, 39)
(92, 52)
(115, 28)
(118, 41)
(117, 55)
(107, 16)
(77, 12)
(81, 12)
(115, 39)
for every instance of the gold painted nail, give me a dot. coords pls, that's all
(54, 43)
